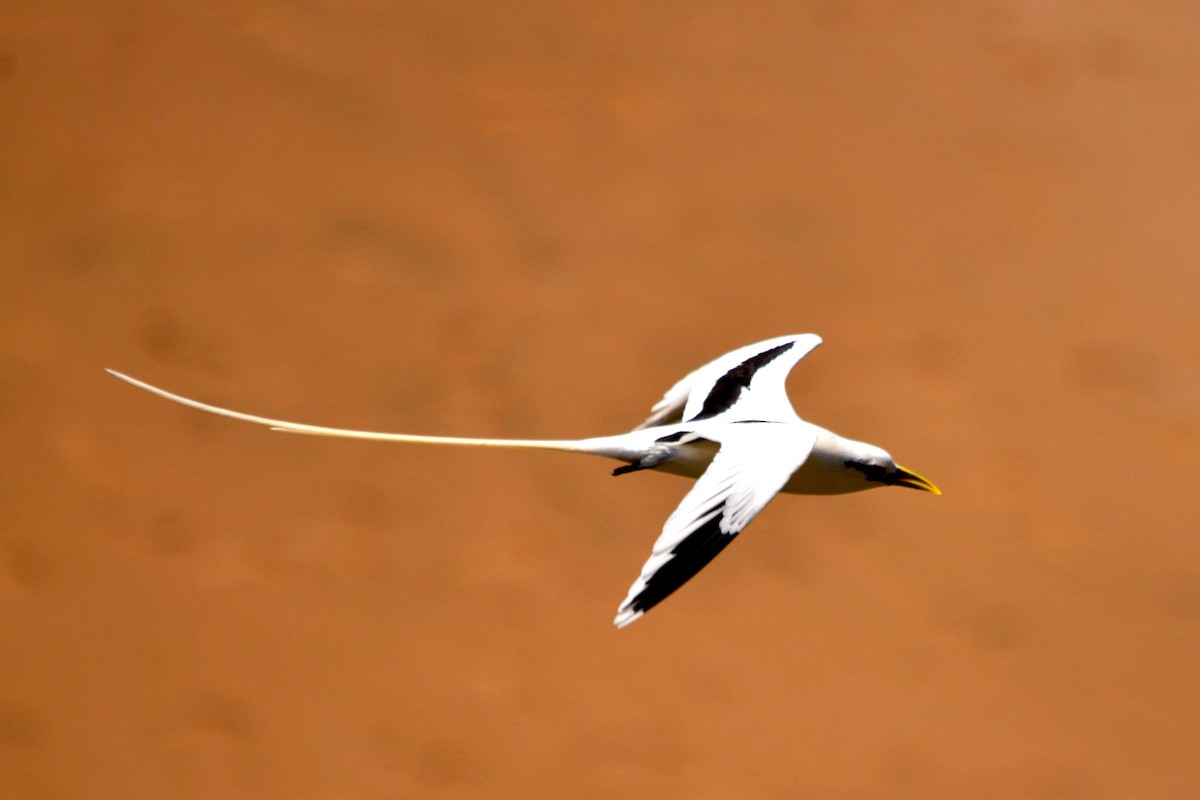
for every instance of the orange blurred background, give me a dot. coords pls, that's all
(529, 220)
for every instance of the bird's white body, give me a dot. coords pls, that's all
(821, 473)
(729, 425)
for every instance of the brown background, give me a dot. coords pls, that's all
(527, 220)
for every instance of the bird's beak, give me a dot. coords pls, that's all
(903, 477)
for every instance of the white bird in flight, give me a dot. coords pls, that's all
(729, 425)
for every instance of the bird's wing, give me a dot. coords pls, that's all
(753, 464)
(751, 377)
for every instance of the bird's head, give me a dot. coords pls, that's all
(878, 468)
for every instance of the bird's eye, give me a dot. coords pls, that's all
(872, 472)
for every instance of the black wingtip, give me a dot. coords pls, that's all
(687, 558)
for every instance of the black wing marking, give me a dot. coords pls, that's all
(698, 396)
(728, 388)
(686, 559)
(753, 463)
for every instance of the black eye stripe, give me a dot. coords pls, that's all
(873, 472)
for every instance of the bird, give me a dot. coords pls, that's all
(729, 425)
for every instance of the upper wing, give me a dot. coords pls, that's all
(753, 464)
(751, 377)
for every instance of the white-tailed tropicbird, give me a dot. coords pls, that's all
(729, 425)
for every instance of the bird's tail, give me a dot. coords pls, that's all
(579, 446)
